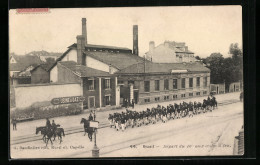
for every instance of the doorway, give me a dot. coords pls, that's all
(136, 97)
(91, 102)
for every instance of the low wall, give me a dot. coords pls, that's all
(26, 95)
(217, 88)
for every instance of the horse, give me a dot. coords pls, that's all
(87, 129)
(213, 103)
(60, 133)
(43, 132)
(49, 134)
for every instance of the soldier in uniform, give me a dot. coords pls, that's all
(90, 118)
(123, 122)
(54, 127)
(48, 124)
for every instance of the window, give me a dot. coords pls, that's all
(183, 95)
(205, 81)
(198, 93)
(146, 100)
(190, 82)
(147, 86)
(131, 82)
(204, 92)
(166, 98)
(157, 98)
(198, 81)
(166, 84)
(91, 84)
(120, 82)
(157, 85)
(183, 83)
(175, 84)
(107, 83)
(191, 94)
(107, 100)
(174, 96)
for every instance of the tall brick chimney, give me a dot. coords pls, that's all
(84, 29)
(135, 40)
(80, 48)
(151, 46)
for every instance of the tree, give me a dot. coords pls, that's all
(237, 58)
(198, 58)
(215, 63)
(50, 60)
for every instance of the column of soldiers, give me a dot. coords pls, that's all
(132, 118)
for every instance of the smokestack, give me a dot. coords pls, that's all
(166, 44)
(80, 49)
(135, 40)
(84, 29)
(151, 46)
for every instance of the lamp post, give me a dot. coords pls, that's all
(95, 150)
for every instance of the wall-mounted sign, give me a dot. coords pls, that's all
(67, 100)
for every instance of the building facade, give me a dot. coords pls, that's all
(150, 86)
(169, 52)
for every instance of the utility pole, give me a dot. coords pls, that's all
(95, 150)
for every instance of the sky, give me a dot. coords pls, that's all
(204, 29)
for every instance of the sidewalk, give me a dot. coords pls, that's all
(27, 128)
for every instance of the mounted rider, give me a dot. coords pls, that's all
(48, 124)
(90, 118)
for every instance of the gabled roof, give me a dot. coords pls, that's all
(45, 67)
(83, 71)
(59, 59)
(22, 62)
(117, 60)
(44, 53)
(100, 47)
(163, 68)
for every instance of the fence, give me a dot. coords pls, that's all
(239, 143)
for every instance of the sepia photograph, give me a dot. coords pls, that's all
(126, 82)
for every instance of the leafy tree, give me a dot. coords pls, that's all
(50, 60)
(226, 70)
(215, 63)
(198, 58)
(237, 57)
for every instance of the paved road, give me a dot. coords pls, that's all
(213, 129)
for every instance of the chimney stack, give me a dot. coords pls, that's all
(80, 49)
(166, 44)
(84, 29)
(186, 48)
(135, 40)
(151, 46)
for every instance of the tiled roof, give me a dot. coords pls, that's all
(46, 67)
(163, 68)
(22, 62)
(59, 59)
(83, 71)
(44, 53)
(178, 50)
(118, 60)
(100, 46)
